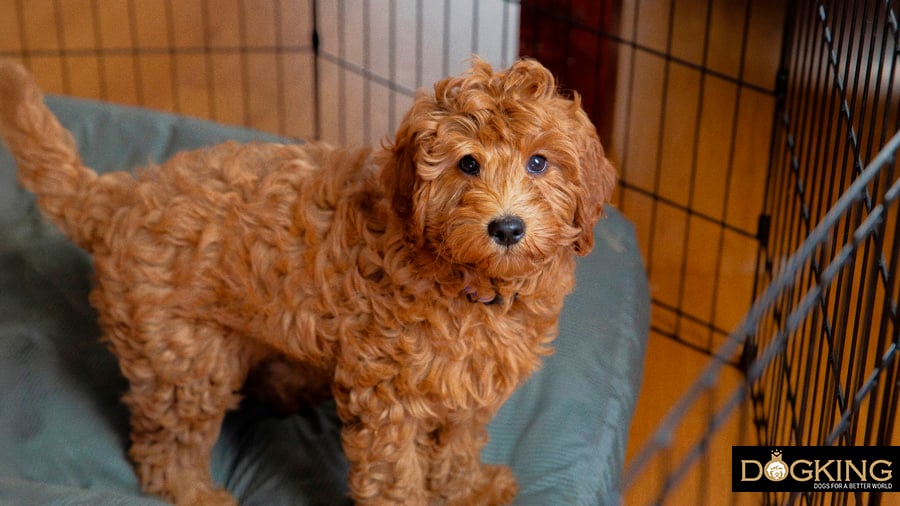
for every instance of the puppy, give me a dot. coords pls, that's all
(418, 284)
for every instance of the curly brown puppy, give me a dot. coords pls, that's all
(419, 283)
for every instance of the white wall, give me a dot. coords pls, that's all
(374, 54)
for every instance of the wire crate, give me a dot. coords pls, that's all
(819, 348)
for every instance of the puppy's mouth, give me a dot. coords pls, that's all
(511, 252)
(504, 247)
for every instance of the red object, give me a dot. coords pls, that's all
(577, 40)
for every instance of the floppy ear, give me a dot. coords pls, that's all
(399, 167)
(597, 178)
(398, 172)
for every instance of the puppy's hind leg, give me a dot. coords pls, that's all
(180, 391)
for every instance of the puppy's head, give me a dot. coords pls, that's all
(497, 171)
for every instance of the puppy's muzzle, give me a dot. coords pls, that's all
(506, 230)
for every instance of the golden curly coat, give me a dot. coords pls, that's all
(419, 284)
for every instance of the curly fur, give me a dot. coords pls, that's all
(369, 275)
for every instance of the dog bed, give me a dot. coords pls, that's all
(64, 434)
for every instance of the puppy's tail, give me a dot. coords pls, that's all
(68, 193)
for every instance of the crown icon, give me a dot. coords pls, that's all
(776, 469)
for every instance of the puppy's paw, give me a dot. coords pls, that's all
(502, 485)
(217, 497)
(495, 486)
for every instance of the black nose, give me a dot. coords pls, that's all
(507, 230)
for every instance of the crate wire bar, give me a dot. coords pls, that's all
(684, 161)
(819, 347)
(873, 227)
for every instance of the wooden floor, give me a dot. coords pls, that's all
(232, 64)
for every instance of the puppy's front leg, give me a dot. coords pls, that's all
(457, 476)
(385, 466)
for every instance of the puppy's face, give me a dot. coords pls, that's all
(497, 172)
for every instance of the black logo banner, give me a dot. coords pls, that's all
(815, 468)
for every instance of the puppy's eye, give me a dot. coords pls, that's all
(469, 165)
(537, 164)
